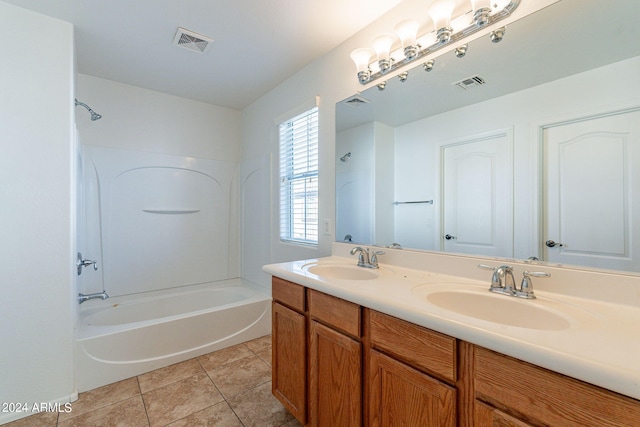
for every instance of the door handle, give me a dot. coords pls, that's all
(449, 236)
(551, 244)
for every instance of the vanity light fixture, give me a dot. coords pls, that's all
(408, 31)
(440, 11)
(361, 57)
(382, 46)
(447, 29)
(482, 10)
(428, 66)
(497, 35)
(461, 51)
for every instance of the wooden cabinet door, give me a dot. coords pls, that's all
(335, 378)
(289, 379)
(543, 397)
(487, 416)
(402, 396)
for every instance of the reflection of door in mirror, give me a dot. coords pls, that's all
(477, 198)
(591, 190)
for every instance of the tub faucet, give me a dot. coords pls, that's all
(102, 295)
(366, 259)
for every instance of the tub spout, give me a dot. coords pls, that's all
(82, 297)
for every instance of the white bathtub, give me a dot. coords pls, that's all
(126, 336)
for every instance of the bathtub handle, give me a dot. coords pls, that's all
(81, 262)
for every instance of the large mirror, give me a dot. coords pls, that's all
(524, 148)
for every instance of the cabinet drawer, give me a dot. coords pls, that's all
(288, 293)
(547, 397)
(419, 347)
(336, 312)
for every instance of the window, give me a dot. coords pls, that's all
(299, 178)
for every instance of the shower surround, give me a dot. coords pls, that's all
(161, 229)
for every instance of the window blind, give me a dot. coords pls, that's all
(299, 178)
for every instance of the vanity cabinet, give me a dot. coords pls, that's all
(289, 339)
(336, 363)
(317, 355)
(409, 368)
(486, 415)
(535, 396)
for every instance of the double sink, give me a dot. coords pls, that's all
(582, 324)
(469, 300)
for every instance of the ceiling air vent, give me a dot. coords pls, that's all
(356, 101)
(192, 41)
(470, 82)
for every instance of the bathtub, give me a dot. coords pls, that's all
(126, 336)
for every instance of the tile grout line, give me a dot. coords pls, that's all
(144, 405)
(140, 394)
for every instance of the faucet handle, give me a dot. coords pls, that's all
(486, 267)
(526, 287)
(374, 258)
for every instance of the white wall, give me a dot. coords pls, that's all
(384, 184)
(37, 209)
(140, 119)
(144, 120)
(355, 184)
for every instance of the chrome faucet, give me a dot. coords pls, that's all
(102, 295)
(366, 259)
(502, 281)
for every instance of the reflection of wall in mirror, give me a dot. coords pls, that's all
(364, 184)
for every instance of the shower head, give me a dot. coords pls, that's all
(94, 116)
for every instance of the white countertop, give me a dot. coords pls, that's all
(599, 344)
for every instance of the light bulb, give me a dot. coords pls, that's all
(408, 31)
(382, 45)
(440, 13)
(361, 58)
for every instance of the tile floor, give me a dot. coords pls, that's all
(229, 387)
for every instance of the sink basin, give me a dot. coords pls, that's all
(343, 272)
(500, 309)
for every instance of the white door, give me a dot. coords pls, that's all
(590, 192)
(477, 196)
